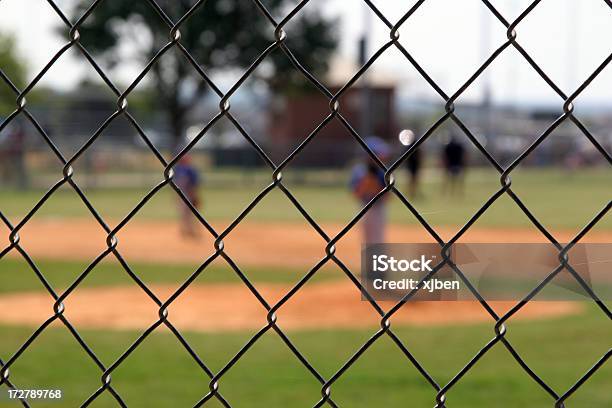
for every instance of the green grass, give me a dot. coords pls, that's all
(16, 275)
(558, 198)
(160, 373)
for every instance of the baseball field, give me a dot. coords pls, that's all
(274, 247)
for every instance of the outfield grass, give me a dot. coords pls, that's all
(160, 373)
(558, 198)
(16, 275)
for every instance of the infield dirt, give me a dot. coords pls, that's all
(231, 307)
(251, 243)
(222, 307)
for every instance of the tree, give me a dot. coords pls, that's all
(12, 66)
(12, 141)
(221, 35)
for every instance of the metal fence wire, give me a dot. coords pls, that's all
(113, 250)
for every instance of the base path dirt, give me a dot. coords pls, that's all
(251, 243)
(231, 307)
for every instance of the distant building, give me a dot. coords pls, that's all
(293, 118)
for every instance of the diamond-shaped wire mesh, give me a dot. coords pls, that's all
(276, 173)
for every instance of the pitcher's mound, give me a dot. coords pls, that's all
(230, 307)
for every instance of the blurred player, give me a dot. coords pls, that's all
(453, 158)
(13, 156)
(367, 180)
(187, 179)
(413, 163)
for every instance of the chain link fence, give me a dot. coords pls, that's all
(499, 322)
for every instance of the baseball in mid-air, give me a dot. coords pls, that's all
(406, 137)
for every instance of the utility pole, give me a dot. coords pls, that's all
(366, 93)
(487, 96)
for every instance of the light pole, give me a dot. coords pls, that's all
(366, 94)
(485, 43)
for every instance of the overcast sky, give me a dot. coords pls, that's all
(568, 38)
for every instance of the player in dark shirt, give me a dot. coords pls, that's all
(454, 158)
(414, 164)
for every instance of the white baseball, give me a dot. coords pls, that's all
(406, 137)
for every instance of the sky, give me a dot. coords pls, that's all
(567, 38)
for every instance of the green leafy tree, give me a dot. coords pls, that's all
(221, 35)
(12, 67)
(12, 142)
